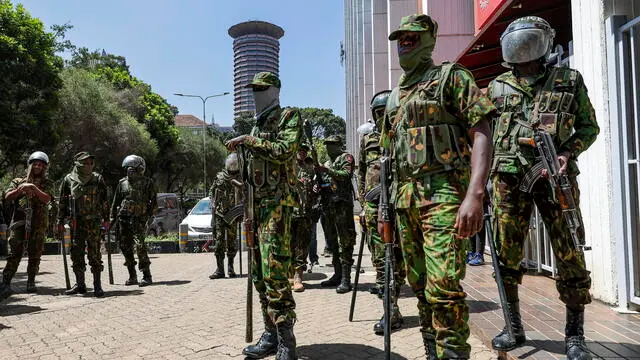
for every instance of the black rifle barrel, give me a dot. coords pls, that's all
(357, 277)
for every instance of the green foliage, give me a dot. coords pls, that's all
(29, 85)
(170, 237)
(323, 122)
(243, 123)
(92, 120)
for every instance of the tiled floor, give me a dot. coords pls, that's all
(610, 335)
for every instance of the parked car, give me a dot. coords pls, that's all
(198, 221)
(168, 216)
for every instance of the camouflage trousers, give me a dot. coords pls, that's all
(86, 235)
(225, 238)
(377, 249)
(435, 260)
(271, 260)
(339, 220)
(132, 236)
(300, 239)
(17, 243)
(511, 213)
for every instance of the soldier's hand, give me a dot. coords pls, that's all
(469, 217)
(235, 142)
(363, 221)
(563, 159)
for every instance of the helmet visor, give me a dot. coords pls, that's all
(524, 45)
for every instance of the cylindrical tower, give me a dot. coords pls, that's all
(255, 48)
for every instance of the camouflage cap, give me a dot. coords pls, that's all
(415, 23)
(82, 155)
(333, 139)
(265, 78)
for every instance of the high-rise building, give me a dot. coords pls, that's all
(255, 48)
(371, 60)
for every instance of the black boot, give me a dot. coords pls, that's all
(97, 285)
(5, 286)
(429, 341)
(396, 322)
(334, 280)
(146, 278)
(230, 271)
(345, 284)
(268, 343)
(575, 346)
(80, 287)
(133, 276)
(286, 341)
(219, 273)
(502, 341)
(31, 283)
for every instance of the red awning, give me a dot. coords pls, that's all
(483, 55)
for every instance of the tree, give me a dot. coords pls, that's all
(243, 123)
(29, 85)
(323, 122)
(93, 121)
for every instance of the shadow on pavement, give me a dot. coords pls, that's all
(313, 276)
(48, 290)
(479, 306)
(3, 326)
(342, 352)
(12, 310)
(171, 282)
(113, 293)
(600, 350)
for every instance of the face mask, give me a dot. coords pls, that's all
(410, 57)
(334, 150)
(85, 169)
(266, 98)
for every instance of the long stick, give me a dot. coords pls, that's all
(357, 277)
(109, 264)
(66, 266)
(498, 277)
(388, 288)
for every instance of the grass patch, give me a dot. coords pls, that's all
(169, 237)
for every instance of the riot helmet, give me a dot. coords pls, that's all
(231, 163)
(134, 164)
(38, 155)
(527, 39)
(378, 105)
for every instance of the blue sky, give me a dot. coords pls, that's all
(182, 46)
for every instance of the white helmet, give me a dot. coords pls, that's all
(231, 163)
(38, 155)
(527, 39)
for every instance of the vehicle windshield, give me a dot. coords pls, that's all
(202, 208)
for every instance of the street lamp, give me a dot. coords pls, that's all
(204, 131)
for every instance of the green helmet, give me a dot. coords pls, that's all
(527, 39)
(378, 104)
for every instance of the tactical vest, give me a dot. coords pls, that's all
(135, 197)
(304, 190)
(268, 177)
(372, 153)
(552, 106)
(89, 203)
(426, 138)
(342, 189)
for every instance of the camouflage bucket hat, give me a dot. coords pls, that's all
(265, 78)
(333, 139)
(415, 23)
(82, 155)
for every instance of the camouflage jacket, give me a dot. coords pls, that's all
(134, 199)
(564, 110)
(369, 164)
(443, 103)
(39, 209)
(227, 194)
(90, 198)
(272, 163)
(304, 190)
(340, 171)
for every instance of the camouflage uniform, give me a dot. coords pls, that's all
(227, 196)
(17, 236)
(301, 221)
(425, 131)
(339, 214)
(83, 200)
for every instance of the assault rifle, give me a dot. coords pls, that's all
(561, 187)
(386, 212)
